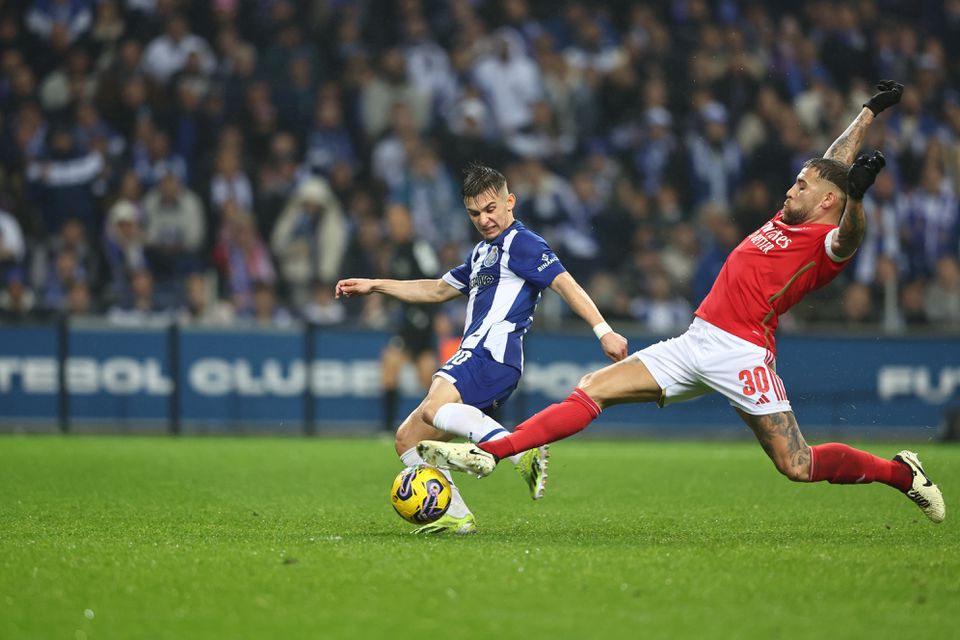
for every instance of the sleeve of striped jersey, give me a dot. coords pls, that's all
(534, 261)
(458, 278)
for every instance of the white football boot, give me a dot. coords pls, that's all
(459, 456)
(923, 492)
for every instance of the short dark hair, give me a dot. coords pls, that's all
(479, 179)
(831, 170)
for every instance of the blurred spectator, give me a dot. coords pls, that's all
(16, 300)
(388, 88)
(323, 308)
(153, 158)
(310, 238)
(276, 181)
(66, 258)
(140, 307)
(723, 236)
(661, 311)
(169, 52)
(241, 256)
(912, 304)
(929, 224)
(79, 303)
(882, 238)
(392, 154)
(69, 82)
(56, 24)
(428, 65)
(715, 159)
(432, 197)
(267, 312)
(942, 300)
(857, 305)
(229, 182)
(63, 182)
(509, 81)
(123, 248)
(658, 159)
(174, 231)
(543, 138)
(201, 307)
(329, 141)
(13, 249)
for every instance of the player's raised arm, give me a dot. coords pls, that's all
(853, 222)
(844, 148)
(412, 291)
(614, 344)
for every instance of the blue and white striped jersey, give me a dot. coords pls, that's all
(504, 279)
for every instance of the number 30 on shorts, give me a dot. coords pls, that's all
(755, 380)
(458, 358)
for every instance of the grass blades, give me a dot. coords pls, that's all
(265, 538)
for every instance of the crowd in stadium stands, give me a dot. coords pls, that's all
(227, 161)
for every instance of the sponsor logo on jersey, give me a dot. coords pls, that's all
(769, 237)
(546, 260)
(491, 258)
(481, 280)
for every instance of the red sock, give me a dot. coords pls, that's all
(839, 464)
(556, 422)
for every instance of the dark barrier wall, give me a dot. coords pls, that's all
(225, 380)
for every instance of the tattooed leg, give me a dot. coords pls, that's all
(780, 437)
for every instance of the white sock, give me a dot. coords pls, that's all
(470, 423)
(458, 508)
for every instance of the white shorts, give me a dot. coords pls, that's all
(707, 358)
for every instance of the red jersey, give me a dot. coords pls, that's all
(769, 272)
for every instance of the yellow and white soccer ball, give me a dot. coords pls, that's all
(420, 494)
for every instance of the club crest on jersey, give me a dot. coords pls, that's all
(491, 257)
(769, 237)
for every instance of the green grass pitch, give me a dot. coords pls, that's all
(295, 538)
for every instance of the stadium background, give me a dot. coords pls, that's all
(184, 169)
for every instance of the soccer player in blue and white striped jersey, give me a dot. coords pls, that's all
(503, 277)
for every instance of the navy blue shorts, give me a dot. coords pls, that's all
(482, 382)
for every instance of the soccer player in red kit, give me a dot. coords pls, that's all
(730, 347)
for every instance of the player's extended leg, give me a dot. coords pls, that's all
(414, 428)
(626, 381)
(469, 422)
(837, 463)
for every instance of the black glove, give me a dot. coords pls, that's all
(862, 174)
(890, 92)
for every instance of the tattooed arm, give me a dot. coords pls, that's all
(850, 232)
(853, 225)
(844, 149)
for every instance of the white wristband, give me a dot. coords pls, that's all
(601, 329)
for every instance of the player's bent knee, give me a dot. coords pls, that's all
(794, 472)
(428, 412)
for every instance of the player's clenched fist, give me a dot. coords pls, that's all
(889, 95)
(614, 345)
(863, 172)
(354, 287)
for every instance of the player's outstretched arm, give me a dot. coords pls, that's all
(613, 344)
(413, 291)
(844, 148)
(853, 222)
